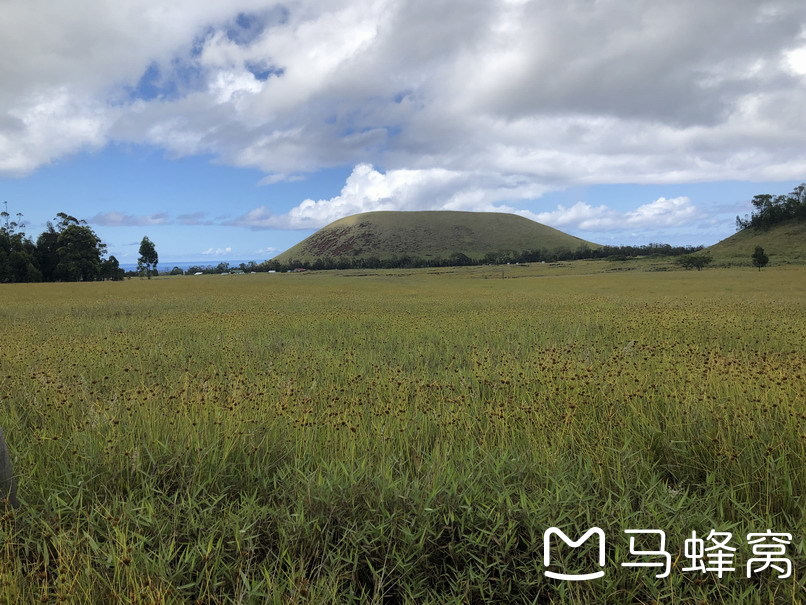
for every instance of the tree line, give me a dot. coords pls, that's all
(616, 253)
(772, 209)
(68, 250)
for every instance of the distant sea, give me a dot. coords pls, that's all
(165, 267)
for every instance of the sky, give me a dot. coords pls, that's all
(234, 129)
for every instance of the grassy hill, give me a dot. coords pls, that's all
(429, 234)
(783, 243)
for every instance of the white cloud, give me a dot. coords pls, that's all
(48, 125)
(796, 60)
(367, 190)
(217, 251)
(495, 96)
(662, 212)
(66, 68)
(580, 215)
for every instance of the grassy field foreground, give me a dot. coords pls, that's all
(398, 437)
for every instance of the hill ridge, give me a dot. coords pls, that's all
(784, 242)
(429, 234)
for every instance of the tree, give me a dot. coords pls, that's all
(773, 209)
(694, 261)
(17, 253)
(148, 258)
(759, 258)
(459, 259)
(77, 252)
(110, 269)
(46, 256)
(67, 251)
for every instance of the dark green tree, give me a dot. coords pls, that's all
(460, 259)
(17, 252)
(67, 251)
(694, 261)
(773, 209)
(110, 269)
(148, 258)
(759, 258)
(78, 250)
(46, 253)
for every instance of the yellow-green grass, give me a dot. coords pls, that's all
(399, 436)
(784, 243)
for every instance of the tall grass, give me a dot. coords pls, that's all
(398, 437)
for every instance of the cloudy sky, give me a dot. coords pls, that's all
(233, 129)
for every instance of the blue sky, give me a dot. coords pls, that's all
(235, 130)
(184, 205)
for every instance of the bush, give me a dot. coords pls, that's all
(694, 261)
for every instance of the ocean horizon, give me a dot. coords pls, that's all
(185, 265)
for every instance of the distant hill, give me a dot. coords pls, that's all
(783, 242)
(432, 234)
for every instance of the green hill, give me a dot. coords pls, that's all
(432, 234)
(783, 242)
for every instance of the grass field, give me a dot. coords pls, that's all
(401, 436)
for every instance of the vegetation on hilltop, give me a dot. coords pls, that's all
(775, 209)
(777, 224)
(784, 242)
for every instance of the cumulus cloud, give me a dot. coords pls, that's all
(68, 70)
(662, 212)
(48, 125)
(368, 189)
(519, 94)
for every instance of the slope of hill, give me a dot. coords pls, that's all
(429, 234)
(783, 242)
